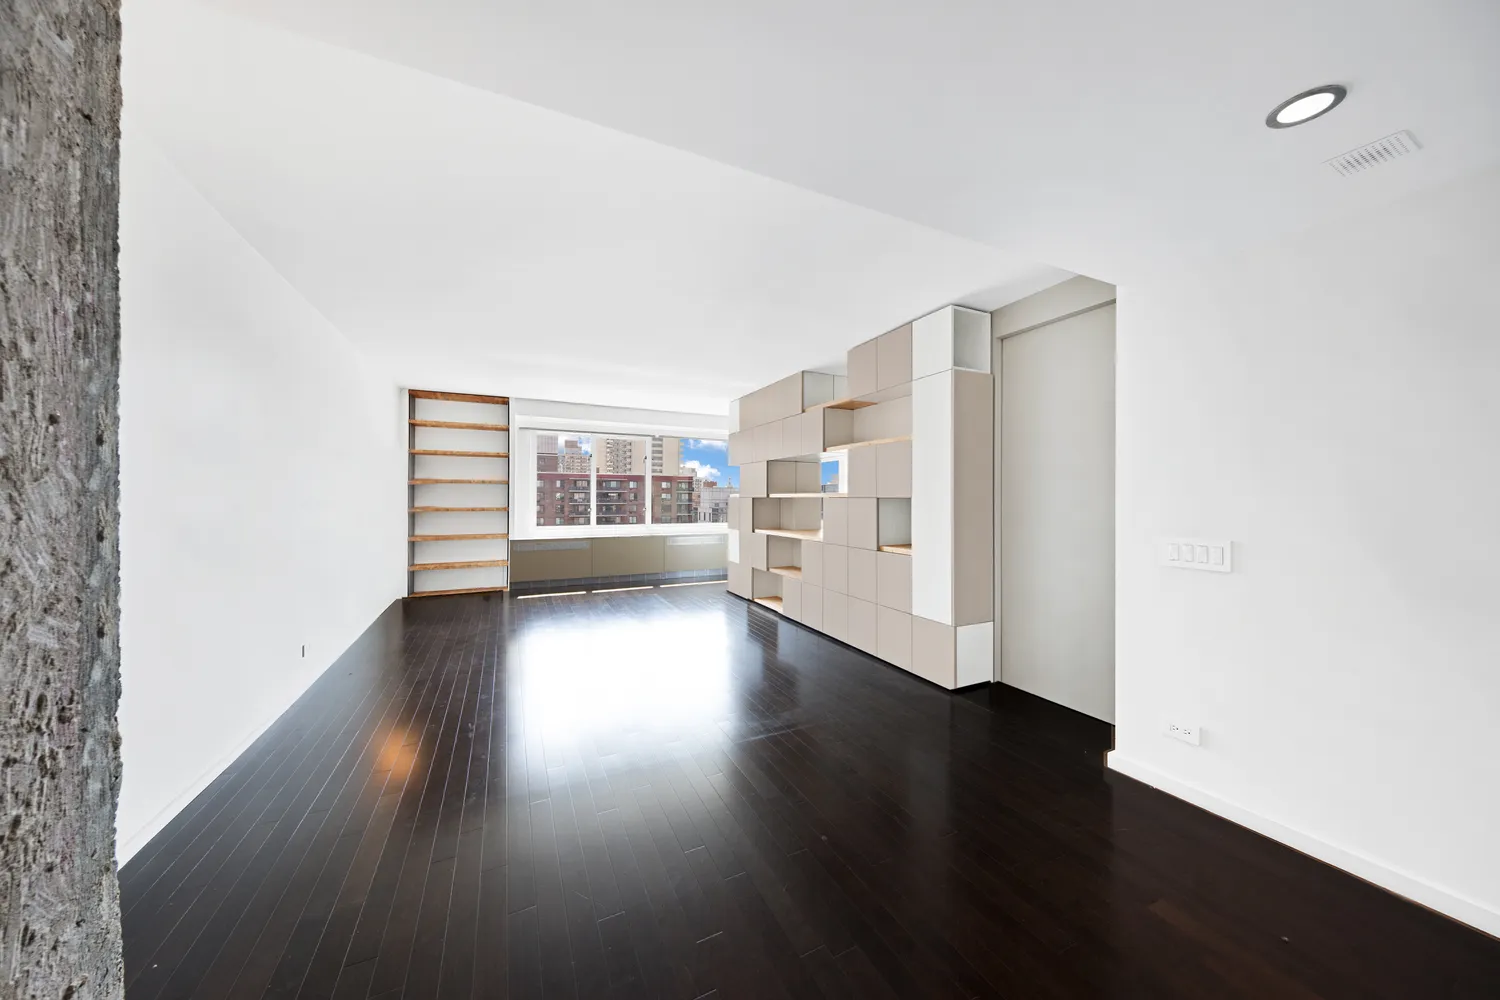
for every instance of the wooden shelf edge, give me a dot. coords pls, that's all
(457, 397)
(805, 534)
(471, 482)
(459, 590)
(460, 454)
(805, 496)
(867, 444)
(901, 550)
(474, 564)
(841, 404)
(436, 510)
(455, 538)
(774, 603)
(460, 425)
(793, 572)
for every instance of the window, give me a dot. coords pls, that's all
(601, 480)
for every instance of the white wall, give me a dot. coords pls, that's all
(1055, 428)
(1332, 404)
(262, 505)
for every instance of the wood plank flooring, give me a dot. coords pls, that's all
(675, 793)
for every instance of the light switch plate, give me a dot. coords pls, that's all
(1212, 555)
(1185, 733)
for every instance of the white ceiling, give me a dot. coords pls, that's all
(1102, 137)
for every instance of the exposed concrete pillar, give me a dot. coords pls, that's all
(59, 498)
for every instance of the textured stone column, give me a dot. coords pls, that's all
(59, 498)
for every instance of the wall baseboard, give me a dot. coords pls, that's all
(1392, 879)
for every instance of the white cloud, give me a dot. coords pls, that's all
(706, 443)
(701, 470)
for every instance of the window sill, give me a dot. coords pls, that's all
(619, 530)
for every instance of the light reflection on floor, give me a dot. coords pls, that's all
(585, 678)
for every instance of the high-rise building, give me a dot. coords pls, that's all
(666, 456)
(573, 458)
(713, 503)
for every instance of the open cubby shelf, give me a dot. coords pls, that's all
(774, 603)
(795, 572)
(866, 444)
(900, 550)
(803, 534)
(842, 404)
(468, 564)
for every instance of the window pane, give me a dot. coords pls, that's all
(563, 461)
(622, 463)
(832, 467)
(695, 474)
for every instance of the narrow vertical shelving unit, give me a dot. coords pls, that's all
(458, 493)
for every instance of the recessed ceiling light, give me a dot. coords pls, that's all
(1306, 106)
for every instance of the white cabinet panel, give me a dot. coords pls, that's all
(835, 568)
(893, 637)
(932, 498)
(893, 588)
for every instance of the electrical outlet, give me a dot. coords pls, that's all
(1187, 734)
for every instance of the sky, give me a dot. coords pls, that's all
(709, 459)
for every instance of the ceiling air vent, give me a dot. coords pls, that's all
(1374, 154)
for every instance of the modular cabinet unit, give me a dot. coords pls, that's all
(812, 605)
(899, 563)
(952, 337)
(791, 598)
(893, 358)
(812, 563)
(861, 467)
(864, 579)
(863, 523)
(893, 581)
(739, 579)
(753, 480)
(893, 637)
(892, 468)
(864, 365)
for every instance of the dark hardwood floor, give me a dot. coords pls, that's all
(674, 793)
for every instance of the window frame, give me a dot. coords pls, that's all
(525, 479)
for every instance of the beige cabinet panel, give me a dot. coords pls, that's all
(760, 445)
(739, 451)
(791, 436)
(812, 605)
(753, 549)
(893, 358)
(933, 652)
(808, 477)
(893, 637)
(863, 368)
(863, 471)
(812, 566)
(863, 523)
(863, 575)
(739, 579)
(835, 568)
(893, 469)
(812, 431)
(863, 631)
(894, 583)
(753, 479)
(835, 520)
(836, 615)
(791, 598)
